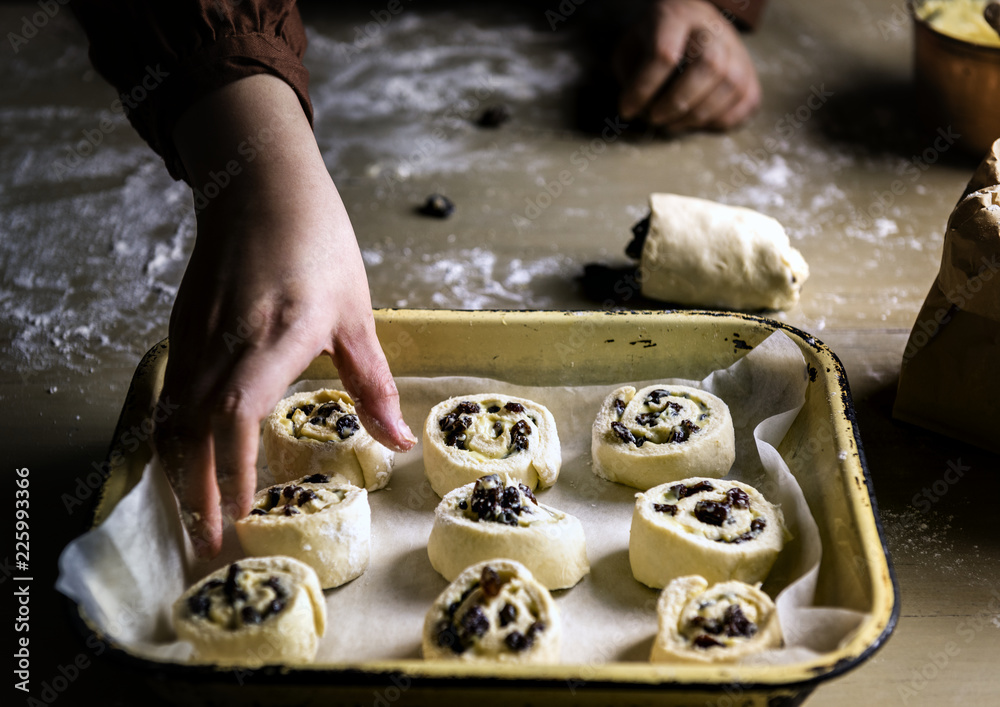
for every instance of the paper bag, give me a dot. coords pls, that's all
(950, 377)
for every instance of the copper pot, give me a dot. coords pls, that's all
(958, 85)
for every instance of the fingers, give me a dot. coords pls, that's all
(185, 448)
(665, 54)
(366, 377)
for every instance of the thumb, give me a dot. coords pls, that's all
(366, 377)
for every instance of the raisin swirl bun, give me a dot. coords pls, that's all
(723, 623)
(497, 516)
(318, 432)
(494, 611)
(322, 521)
(715, 528)
(475, 435)
(255, 611)
(662, 433)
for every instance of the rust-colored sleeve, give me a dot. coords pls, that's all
(164, 55)
(743, 13)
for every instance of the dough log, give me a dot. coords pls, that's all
(702, 253)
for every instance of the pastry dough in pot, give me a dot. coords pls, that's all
(474, 435)
(702, 253)
(715, 528)
(260, 610)
(497, 516)
(494, 611)
(318, 432)
(722, 624)
(662, 433)
(322, 521)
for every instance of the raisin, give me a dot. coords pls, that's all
(490, 582)
(622, 431)
(347, 426)
(307, 408)
(290, 491)
(258, 512)
(705, 641)
(275, 584)
(647, 418)
(707, 625)
(198, 604)
(683, 432)
(655, 396)
(711, 512)
(230, 588)
(447, 637)
(475, 622)
(467, 408)
(493, 116)
(291, 414)
(757, 526)
(514, 407)
(211, 584)
(511, 499)
(291, 511)
(273, 496)
(250, 615)
(516, 641)
(619, 407)
(535, 628)
(438, 206)
(527, 492)
(508, 614)
(736, 623)
(493, 408)
(316, 479)
(682, 491)
(497, 428)
(519, 436)
(316, 421)
(463, 505)
(665, 508)
(306, 496)
(275, 606)
(327, 409)
(738, 498)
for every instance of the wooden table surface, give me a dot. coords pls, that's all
(93, 251)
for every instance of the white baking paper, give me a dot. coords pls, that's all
(136, 563)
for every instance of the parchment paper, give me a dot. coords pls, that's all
(135, 564)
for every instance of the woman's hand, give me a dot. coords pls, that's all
(275, 279)
(685, 68)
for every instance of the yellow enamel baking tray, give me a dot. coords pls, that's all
(822, 448)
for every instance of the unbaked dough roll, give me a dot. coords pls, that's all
(318, 432)
(474, 435)
(702, 253)
(255, 611)
(494, 611)
(322, 521)
(721, 624)
(497, 516)
(715, 528)
(662, 433)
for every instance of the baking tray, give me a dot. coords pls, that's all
(822, 448)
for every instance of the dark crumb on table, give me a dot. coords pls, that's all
(493, 116)
(437, 206)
